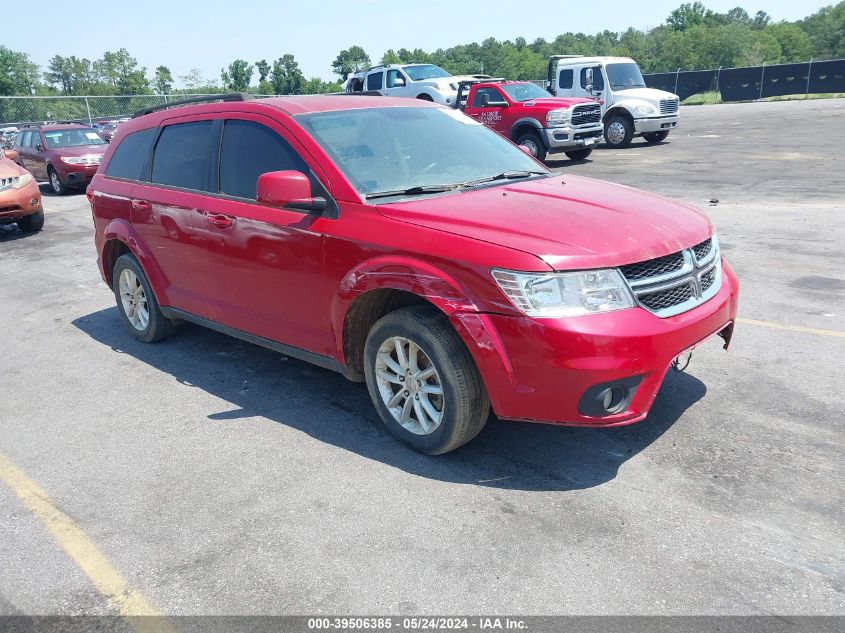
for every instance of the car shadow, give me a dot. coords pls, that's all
(563, 162)
(329, 408)
(11, 232)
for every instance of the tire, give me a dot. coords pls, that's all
(147, 329)
(462, 405)
(655, 137)
(532, 141)
(56, 184)
(579, 154)
(32, 223)
(618, 131)
(424, 97)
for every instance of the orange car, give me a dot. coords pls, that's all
(20, 197)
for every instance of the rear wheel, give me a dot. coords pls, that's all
(423, 382)
(56, 182)
(425, 97)
(618, 131)
(655, 137)
(138, 307)
(579, 154)
(532, 141)
(32, 223)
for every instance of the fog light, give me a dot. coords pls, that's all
(609, 398)
(33, 202)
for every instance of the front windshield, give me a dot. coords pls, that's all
(624, 76)
(425, 71)
(397, 148)
(73, 137)
(524, 91)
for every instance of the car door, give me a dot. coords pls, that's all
(375, 81)
(488, 107)
(565, 83)
(590, 82)
(38, 155)
(396, 83)
(269, 273)
(25, 150)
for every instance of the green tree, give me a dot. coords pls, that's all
(163, 82)
(193, 81)
(237, 77)
(795, 44)
(286, 77)
(350, 60)
(390, 57)
(826, 30)
(263, 69)
(688, 15)
(18, 74)
(120, 71)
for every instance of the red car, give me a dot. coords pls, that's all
(405, 245)
(64, 154)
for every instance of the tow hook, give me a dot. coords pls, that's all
(680, 363)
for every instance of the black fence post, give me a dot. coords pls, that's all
(809, 73)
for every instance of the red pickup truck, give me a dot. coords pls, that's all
(527, 115)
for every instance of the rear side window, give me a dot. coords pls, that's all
(181, 155)
(250, 149)
(374, 81)
(21, 140)
(130, 156)
(565, 80)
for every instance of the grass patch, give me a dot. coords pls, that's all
(709, 98)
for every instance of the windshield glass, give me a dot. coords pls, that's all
(425, 71)
(73, 137)
(387, 149)
(524, 92)
(624, 76)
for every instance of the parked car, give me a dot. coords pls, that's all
(20, 198)
(630, 108)
(65, 154)
(526, 114)
(107, 130)
(405, 245)
(7, 137)
(418, 81)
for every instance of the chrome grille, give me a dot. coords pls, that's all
(6, 183)
(675, 283)
(584, 114)
(668, 106)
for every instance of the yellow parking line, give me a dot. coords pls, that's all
(84, 552)
(793, 328)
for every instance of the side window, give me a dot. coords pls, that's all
(395, 79)
(23, 139)
(130, 156)
(598, 79)
(34, 139)
(250, 149)
(565, 80)
(181, 155)
(374, 80)
(492, 96)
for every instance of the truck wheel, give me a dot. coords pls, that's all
(579, 154)
(32, 223)
(138, 307)
(423, 381)
(56, 183)
(655, 137)
(532, 141)
(618, 131)
(425, 97)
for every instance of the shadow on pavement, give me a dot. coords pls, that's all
(326, 406)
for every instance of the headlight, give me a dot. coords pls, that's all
(93, 159)
(645, 110)
(565, 294)
(558, 118)
(22, 181)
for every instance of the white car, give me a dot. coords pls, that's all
(417, 81)
(630, 108)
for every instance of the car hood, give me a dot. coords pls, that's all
(569, 222)
(81, 150)
(647, 94)
(9, 169)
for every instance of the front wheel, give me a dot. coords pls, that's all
(32, 223)
(532, 141)
(579, 154)
(56, 184)
(655, 137)
(423, 381)
(618, 131)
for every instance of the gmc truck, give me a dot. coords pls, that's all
(524, 113)
(629, 108)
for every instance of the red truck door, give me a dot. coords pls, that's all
(488, 105)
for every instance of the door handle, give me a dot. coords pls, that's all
(219, 221)
(140, 205)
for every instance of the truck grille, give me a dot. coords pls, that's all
(585, 114)
(675, 283)
(668, 106)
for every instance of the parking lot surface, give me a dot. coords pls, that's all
(221, 478)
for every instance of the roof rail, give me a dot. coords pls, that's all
(564, 56)
(232, 96)
(374, 67)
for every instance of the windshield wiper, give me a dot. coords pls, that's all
(512, 174)
(411, 191)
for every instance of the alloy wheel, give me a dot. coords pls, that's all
(134, 300)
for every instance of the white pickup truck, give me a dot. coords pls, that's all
(417, 81)
(629, 108)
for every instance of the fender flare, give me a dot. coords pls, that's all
(527, 120)
(122, 231)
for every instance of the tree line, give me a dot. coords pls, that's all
(692, 37)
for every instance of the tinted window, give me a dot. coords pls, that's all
(598, 80)
(250, 149)
(374, 81)
(492, 96)
(73, 137)
(23, 139)
(565, 80)
(181, 155)
(129, 157)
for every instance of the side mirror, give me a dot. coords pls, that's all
(399, 82)
(589, 80)
(483, 100)
(39, 147)
(8, 153)
(288, 190)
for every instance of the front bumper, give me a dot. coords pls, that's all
(656, 124)
(76, 175)
(19, 203)
(540, 369)
(560, 139)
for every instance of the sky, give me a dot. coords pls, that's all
(186, 34)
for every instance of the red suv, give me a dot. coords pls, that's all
(65, 154)
(407, 246)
